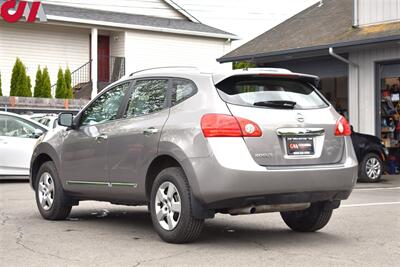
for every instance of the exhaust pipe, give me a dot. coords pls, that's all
(269, 208)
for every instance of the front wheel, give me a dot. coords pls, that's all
(371, 168)
(171, 210)
(50, 196)
(312, 219)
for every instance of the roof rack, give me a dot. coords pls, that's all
(168, 67)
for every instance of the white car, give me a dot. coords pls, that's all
(51, 121)
(18, 136)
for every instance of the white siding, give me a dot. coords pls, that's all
(44, 45)
(363, 105)
(377, 11)
(157, 8)
(117, 44)
(147, 50)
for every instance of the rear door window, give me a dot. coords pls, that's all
(148, 96)
(279, 93)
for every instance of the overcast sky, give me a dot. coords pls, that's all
(245, 18)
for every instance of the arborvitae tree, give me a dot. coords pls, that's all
(37, 91)
(46, 85)
(243, 65)
(61, 87)
(28, 92)
(68, 84)
(19, 82)
(1, 93)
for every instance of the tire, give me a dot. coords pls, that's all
(312, 219)
(371, 168)
(47, 181)
(172, 224)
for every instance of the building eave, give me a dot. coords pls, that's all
(181, 10)
(310, 49)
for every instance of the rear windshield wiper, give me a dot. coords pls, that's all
(285, 104)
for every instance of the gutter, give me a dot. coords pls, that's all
(357, 71)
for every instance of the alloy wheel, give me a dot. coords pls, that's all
(168, 206)
(373, 168)
(46, 191)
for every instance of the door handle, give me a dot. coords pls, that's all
(101, 138)
(150, 131)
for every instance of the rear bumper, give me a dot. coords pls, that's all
(216, 180)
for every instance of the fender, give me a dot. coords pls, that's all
(44, 148)
(174, 151)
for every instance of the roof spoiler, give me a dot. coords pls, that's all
(281, 73)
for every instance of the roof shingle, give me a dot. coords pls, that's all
(132, 19)
(316, 26)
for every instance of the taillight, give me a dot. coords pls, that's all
(220, 125)
(342, 127)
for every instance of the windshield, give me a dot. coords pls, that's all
(278, 93)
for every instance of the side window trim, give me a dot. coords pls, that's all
(79, 116)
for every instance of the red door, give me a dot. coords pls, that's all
(104, 58)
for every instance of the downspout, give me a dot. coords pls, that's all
(357, 80)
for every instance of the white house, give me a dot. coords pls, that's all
(100, 45)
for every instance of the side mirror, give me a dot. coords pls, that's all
(38, 133)
(66, 119)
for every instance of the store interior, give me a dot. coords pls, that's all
(390, 113)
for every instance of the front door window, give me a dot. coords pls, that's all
(105, 108)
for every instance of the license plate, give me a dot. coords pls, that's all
(300, 145)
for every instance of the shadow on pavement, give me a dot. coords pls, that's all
(216, 231)
(386, 181)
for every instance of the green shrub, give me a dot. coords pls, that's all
(28, 92)
(68, 84)
(61, 87)
(19, 81)
(1, 93)
(37, 91)
(46, 85)
(243, 65)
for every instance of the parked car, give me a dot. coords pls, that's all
(50, 121)
(18, 136)
(34, 116)
(191, 144)
(371, 155)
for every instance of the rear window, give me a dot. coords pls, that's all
(279, 93)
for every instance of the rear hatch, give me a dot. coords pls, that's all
(297, 123)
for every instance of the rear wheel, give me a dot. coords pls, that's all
(310, 220)
(50, 196)
(371, 168)
(171, 210)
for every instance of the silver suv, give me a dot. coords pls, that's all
(190, 144)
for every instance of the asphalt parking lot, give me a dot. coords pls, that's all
(365, 231)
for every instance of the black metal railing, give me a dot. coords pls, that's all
(110, 69)
(81, 75)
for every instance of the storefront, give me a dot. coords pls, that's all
(388, 94)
